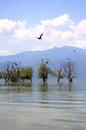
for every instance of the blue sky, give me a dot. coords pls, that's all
(63, 22)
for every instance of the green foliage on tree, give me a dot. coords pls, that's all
(43, 71)
(14, 76)
(15, 73)
(1, 75)
(59, 75)
(26, 73)
(12, 73)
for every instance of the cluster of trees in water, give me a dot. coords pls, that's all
(17, 74)
(65, 70)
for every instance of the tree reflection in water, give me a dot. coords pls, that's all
(43, 92)
(43, 87)
(18, 88)
(65, 86)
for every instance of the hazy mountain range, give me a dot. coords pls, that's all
(54, 56)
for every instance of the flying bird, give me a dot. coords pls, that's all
(74, 50)
(40, 37)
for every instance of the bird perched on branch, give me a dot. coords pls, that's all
(40, 37)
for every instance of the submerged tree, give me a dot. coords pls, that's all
(1, 74)
(15, 73)
(70, 70)
(26, 73)
(43, 71)
(58, 73)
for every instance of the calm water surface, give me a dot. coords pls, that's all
(43, 107)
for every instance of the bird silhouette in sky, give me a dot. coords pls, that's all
(40, 37)
(74, 50)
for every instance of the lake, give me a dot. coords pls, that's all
(37, 106)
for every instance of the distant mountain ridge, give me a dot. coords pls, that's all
(54, 55)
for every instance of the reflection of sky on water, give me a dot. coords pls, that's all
(46, 107)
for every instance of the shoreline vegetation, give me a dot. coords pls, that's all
(17, 74)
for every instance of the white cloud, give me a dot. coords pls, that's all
(81, 27)
(61, 21)
(6, 25)
(78, 43)
(20, 34)
(58, 32)
(5, 52)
